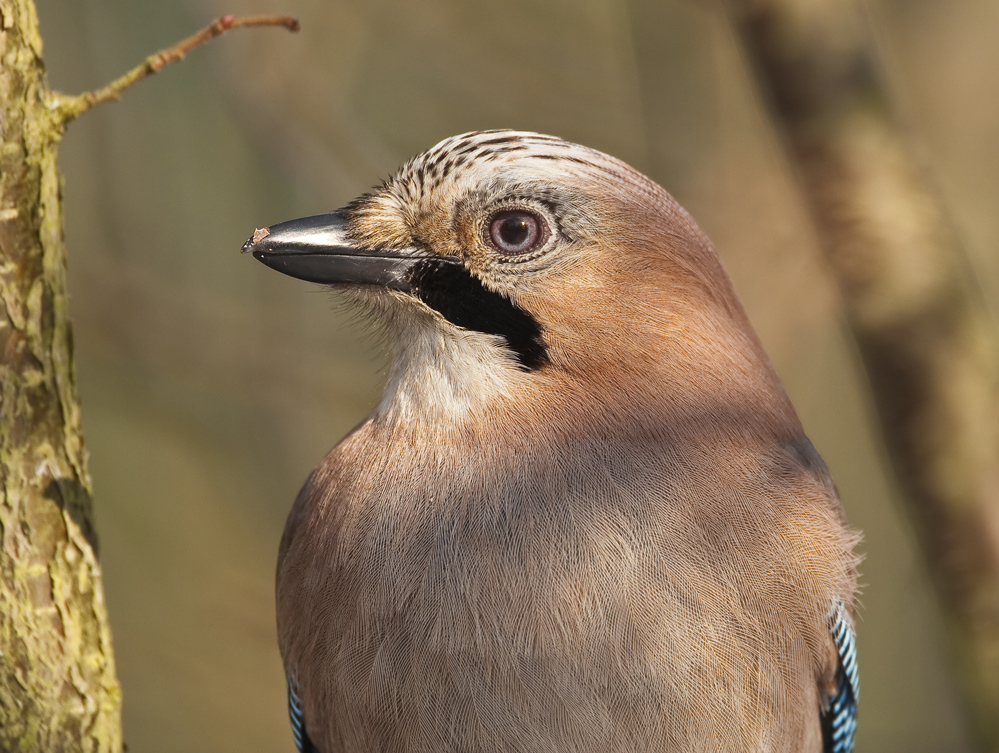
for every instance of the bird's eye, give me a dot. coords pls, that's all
(515, 232)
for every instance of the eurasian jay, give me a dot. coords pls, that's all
(584, 516)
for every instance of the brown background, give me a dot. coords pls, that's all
(212, 385)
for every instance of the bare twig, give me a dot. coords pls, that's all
(69, 108)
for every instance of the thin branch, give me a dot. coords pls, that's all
(68, 108)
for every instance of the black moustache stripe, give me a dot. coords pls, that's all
(462, 299)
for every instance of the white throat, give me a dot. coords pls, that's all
(442, 372)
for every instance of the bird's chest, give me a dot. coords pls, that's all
(585, 613)
(454, 577)
(515, 615)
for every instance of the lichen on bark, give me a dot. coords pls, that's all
(58, 687)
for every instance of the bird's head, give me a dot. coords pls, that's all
(507, 263)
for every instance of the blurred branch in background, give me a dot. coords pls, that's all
(58, 685)
(925, 335)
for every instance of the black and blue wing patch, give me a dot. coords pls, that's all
(839, 718)
(302, 741)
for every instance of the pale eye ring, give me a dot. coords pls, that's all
(516, 232)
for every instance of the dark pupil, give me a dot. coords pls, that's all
(514, 230)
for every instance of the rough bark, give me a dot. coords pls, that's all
(58, 688)
(926, 338)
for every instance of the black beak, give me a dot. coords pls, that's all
(317, 249)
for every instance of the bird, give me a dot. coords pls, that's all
(584, 515)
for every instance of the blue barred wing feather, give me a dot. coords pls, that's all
(302, 741)
(839, 718)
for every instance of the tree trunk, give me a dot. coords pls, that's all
(58, 688)
(927, 340)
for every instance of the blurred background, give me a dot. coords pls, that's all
(211, 385)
